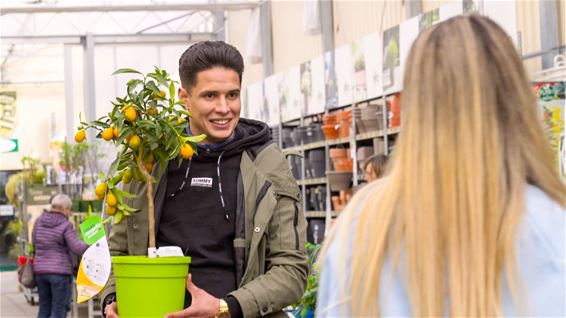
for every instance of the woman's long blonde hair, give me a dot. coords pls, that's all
(471, 140)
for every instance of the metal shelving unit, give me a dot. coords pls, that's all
(351, 141)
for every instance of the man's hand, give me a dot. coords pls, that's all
(111, 310)
(203, 304)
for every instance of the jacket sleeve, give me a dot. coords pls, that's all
(118, 245)
(285, 261)
(75, 245)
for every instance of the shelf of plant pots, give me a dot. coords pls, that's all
(338, 141)
(318, 214)
(313, 145)
(314, 181)
(377, 133)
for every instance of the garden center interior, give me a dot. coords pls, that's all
(325, 75)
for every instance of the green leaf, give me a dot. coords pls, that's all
(101, 176)
(184, 112)
(132, 84)
(124, 207)
(125, 70)
(172, 91)
(124, 193)
(100, 124)
(161, 79)
(151, 85)
(124, 133)
(118, 217)
(196, 139)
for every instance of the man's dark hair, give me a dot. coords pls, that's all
(206, 55)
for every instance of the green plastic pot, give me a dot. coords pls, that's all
(150, 287)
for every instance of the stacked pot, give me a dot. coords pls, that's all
(371, 118)
(341, 178)
(330, 126)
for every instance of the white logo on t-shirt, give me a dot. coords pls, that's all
(201, 182)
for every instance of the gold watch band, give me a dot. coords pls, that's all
(223, 310)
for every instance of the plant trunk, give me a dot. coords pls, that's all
(150, 206)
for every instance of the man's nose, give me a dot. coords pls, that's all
(222, 106)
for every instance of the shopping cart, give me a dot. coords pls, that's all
(31, 294)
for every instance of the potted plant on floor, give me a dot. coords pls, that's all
(150, 128)
(306, 306)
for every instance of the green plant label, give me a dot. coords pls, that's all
(92, 230)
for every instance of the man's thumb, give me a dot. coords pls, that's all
(190, 286)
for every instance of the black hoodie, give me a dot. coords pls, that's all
(199, 215)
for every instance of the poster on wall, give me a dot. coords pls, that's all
(552, 102)
(428, 19)
(359, 82)
(409, 30)
(255, 100)
(472, 6)
(344, 75)
(306, 87)
(391, 60)
(271, 99)
(371, 47)
(290, 94)
(317, 101)
(330, 85)
(7, 113)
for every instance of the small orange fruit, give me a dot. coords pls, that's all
(152, 111)
(80, 136)
(148, 166)
(111, 199)
(134, 142)
(150, 157)
(108, 134)
(158, 96)
(127, 176)
(116, 131)
(100, 190)
(130, 113)
(186, 151)
(110, 210)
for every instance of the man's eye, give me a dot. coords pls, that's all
(234, 94)
(209, 95)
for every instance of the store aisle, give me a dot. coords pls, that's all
(13, 302)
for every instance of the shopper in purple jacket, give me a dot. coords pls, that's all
(53, 237)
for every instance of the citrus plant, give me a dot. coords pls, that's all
(151, 129)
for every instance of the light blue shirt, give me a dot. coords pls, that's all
(540, 260)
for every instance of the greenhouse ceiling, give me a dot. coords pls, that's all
(33, 33)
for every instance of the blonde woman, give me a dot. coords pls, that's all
(470, 220)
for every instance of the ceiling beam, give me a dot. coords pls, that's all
(167, 6)
(142, 38)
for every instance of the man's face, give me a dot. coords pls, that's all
(369, 173)
(214, 102)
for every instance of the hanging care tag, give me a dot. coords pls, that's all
(95, 266)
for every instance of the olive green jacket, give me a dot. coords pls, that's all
(270, 255)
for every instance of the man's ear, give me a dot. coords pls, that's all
(183, 96)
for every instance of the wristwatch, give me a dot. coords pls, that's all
(107, 301)
(223, 310)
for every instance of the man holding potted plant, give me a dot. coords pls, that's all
(235, 208)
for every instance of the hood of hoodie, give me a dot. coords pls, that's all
(248, 133)
(51, 219)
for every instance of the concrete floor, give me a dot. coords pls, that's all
(13, 302)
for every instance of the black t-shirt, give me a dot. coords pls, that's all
(195, 220)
